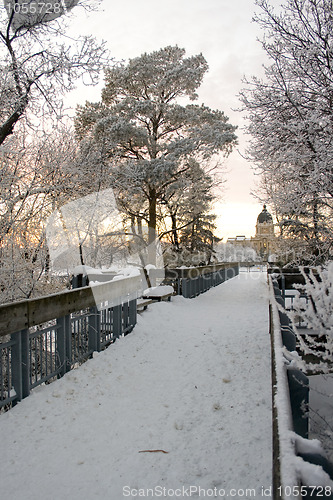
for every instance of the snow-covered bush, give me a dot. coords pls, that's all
(313, 305)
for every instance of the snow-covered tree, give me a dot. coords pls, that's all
(36, 177)
(147, 135)
(313, 306)
(291, 120)
(38, 61)
(185, 205)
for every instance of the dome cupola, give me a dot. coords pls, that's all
(264, 216)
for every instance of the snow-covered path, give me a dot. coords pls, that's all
(192, 379)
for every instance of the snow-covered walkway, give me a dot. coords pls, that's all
(192, 381)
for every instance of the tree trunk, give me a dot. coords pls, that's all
(81, 254)
(315, 221)
(152, 227)
(174, 231)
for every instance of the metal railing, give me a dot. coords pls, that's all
(290, 396)
(192, 281)
(44, 338)
(285, 279)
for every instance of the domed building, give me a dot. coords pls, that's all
(264, 217)
(264, 241)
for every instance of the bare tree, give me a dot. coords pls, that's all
(291, 119)
(39, 62)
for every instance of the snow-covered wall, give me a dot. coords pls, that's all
(285, 472)
(294, 476)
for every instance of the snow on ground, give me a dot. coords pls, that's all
(192, 379)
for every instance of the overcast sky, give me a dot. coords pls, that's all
(223, 31)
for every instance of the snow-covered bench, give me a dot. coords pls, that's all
(142, 304)
(159, 293)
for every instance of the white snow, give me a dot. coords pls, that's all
(192, 379)
(310, 474)
(128, 271)
(84, 270)
(303, 445)
(158, 291)
(149, 267)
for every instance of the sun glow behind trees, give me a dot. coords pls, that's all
(154, 153)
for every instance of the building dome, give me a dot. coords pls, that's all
(264, 216)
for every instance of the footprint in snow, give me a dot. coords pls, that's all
(179, 425)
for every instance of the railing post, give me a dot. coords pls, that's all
(117, 321)
(192, 287)
(179, 286)
(25, 363)
(201, 285)
(283, 287)
(125, 309)
(183, 287)
(20, 365)
(94, 330)
(64, 344)
(132, 313)
(16, 366)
